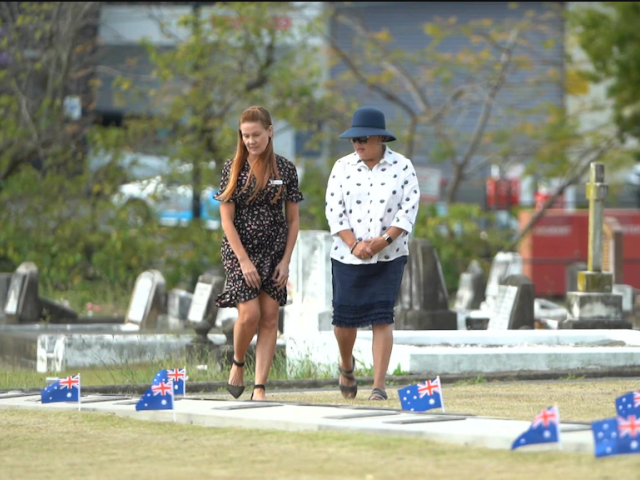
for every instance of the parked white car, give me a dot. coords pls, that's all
(153, 193)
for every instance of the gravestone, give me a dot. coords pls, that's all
(148, 301)
(594, 305)
(178, 303)
(516, 304)
(22, 305)
(504, 264)
(423, 301)
(5, 281)
(309, 290)
(203, 309)
(471, 288)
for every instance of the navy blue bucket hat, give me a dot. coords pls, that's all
(368, 121)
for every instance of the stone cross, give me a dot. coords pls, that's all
(594, 280)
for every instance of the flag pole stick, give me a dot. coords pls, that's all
(441, 393)
(173, 404)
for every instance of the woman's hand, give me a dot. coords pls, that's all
(250, 273)
(363, 250)
(281, 274)
(376, 244)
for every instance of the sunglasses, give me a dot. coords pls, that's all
(362, 140)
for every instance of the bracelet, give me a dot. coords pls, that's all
(354, 246)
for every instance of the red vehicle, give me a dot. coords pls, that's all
(560, 238)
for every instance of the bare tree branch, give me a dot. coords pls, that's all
(484, 116)
(400, 72)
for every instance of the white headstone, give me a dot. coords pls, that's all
(505, 301)
(11, 307)
(141, 298)
(200, 302)
(504, 264)
(310, 290)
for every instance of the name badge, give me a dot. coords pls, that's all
(275, 182)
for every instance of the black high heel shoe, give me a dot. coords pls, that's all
(259, 386)
(236, 390)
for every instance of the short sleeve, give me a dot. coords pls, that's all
(224, 180)
(292, 190)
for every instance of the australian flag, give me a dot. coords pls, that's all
(628, 404)
(545, 428)
(64, 390)
(178, 376)
(605, 437)
(615, 436)
(158, 397)
(422, 396)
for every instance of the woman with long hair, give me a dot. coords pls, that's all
(258, 242)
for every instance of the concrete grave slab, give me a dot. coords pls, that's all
(439, 427)
(478, 351)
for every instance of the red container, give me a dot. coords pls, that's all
(561, 238)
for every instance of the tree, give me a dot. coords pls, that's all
(225, 58)
(608, 34)
(45, 62)
(435, 88)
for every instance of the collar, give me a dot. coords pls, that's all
(354, 159)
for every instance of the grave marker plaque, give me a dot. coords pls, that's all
(514, 304)
(505, 301)
(148, 300)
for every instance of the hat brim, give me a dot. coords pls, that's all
(355, 132)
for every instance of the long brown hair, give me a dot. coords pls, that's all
(263, 168)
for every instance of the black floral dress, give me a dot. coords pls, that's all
(262, 229)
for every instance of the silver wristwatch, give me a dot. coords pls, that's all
(387, 238)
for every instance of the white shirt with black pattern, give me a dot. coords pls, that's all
(370, 201)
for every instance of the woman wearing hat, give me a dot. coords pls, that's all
(372, 201)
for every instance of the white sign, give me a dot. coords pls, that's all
(200, 301)
(429, 182)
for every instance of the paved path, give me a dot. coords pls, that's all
(288, 416)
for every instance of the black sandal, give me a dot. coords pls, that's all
(236, 390)
(260, 387)
(378, 394)
(347, 390)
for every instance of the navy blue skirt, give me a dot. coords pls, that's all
(364, 295)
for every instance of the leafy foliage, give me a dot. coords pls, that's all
(609, 35)
(464, 234)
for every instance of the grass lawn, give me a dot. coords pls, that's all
(37, 444)
(89, 445)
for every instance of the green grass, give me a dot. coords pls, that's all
(88, 445)
(13, 377)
